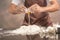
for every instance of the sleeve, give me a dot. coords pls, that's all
(17, 2)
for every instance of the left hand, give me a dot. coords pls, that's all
(36, 8)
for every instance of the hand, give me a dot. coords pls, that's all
(36, 8)
(21, 9)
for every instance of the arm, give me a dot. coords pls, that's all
(14, 8)
(51, 8)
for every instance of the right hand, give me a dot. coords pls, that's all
(16, 10)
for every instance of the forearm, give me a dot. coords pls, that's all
(51, 8)
(36, 8)
(14, 9)
(17, 6)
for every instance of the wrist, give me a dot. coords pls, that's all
(42, 9)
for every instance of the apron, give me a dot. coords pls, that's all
(41, 19)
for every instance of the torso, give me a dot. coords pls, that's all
(37, 18)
